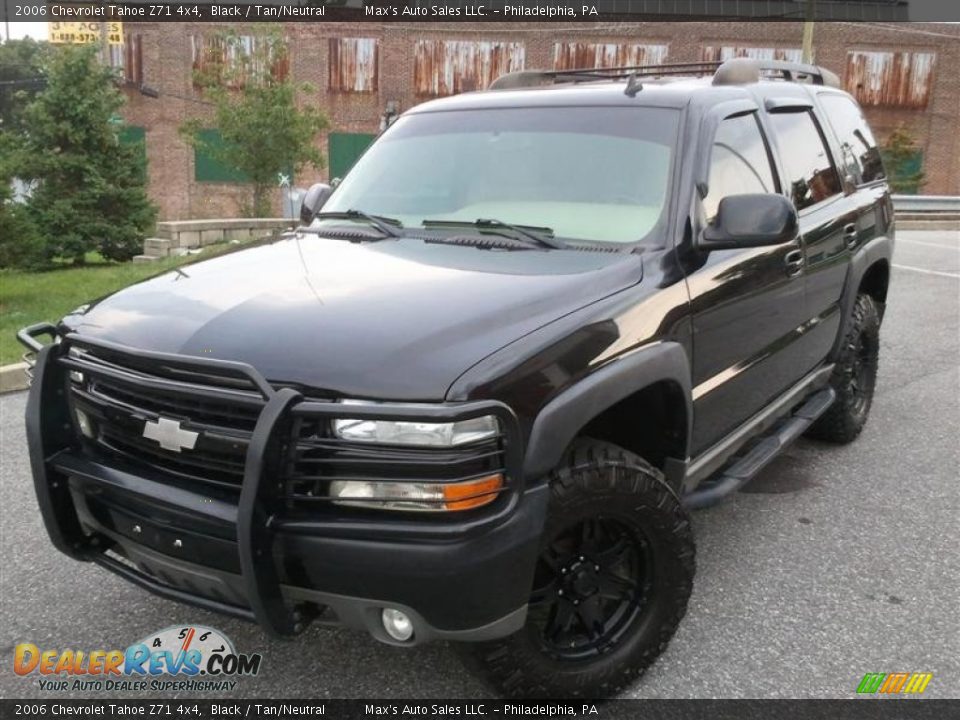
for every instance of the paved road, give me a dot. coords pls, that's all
(835, 562)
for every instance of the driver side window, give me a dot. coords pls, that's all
(739, 163)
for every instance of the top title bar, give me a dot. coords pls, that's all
(493, 10)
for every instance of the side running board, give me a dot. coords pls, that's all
(737, 475)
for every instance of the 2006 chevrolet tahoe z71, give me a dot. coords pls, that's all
(475, 396)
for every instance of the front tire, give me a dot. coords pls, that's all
(854, 377)
(611, 585)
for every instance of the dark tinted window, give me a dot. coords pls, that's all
(810, 174)
(859, 150)
(739, 162)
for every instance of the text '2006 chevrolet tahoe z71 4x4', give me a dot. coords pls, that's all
(475, 396)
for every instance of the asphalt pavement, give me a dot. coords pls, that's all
(835, 562)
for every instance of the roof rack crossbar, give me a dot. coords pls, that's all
(736, 71)
(533, 78)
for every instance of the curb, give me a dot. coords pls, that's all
(13, 377)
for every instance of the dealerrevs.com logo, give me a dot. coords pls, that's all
(191, 658)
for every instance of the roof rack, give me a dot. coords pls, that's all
(737, 71)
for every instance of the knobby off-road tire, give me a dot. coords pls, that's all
(612, 582)
(854, 377)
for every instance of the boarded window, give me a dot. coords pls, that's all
(137, 136)
(128, 58)
(570, 55)
(714, 53)
(447, 67)
(236, 59)
(345, 148)
(133, 59)
(893, 79)
(353, 65)
(208, 168)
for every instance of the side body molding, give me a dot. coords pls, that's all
(558, 423)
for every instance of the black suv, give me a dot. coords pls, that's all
(475, 396)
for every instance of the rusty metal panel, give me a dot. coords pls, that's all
(893, 79)
(133, 58)
(353, 65)
(717, 53)
(234, 60)
(447, 67)
(571, 55)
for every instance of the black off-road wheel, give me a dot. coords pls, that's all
(611, 585)
(854, 377)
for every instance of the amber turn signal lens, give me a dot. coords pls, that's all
(472, 494)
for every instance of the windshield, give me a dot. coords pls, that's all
(588, 174)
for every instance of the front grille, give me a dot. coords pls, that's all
(122, 393)
(128, 394)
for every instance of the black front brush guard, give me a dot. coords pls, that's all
(50, 431)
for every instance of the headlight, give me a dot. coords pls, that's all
(75, 375)
(417, 496)
(396, 432)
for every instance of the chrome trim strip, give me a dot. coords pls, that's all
(714, 457)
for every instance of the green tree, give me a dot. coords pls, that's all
(20, 243)
(262, 130)
(89, 193)
(21, 78)
(903, 161)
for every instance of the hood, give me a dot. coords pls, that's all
(391, 320)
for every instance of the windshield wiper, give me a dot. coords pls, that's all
(387, 225)
(542, 236)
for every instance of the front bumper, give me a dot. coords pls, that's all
(462, 577)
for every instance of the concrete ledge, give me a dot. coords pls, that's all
(940, 225)
(13, 377)
(169, 226)
(199, 233)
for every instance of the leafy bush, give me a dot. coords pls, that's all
(89, 188)
(903, 161)
(264, 132)
(20, 243)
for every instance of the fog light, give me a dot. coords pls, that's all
(397, 624)
(85, 423)
(76, 376)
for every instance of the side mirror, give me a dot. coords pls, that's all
(313, 201)
(745, 221)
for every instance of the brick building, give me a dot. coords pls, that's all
(906, 74)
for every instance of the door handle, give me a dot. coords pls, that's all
(794, 262)
(850, 235)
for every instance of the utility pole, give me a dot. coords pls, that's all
(809, 14)
(6, 18)
(105, 43)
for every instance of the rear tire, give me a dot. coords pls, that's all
(612, 582)
(854, 377)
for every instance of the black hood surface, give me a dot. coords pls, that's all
(392, 320)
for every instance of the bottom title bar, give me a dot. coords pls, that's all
(859, 709)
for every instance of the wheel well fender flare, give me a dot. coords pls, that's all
(559, 421)
(876, 251)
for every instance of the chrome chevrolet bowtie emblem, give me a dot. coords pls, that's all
(169, 434)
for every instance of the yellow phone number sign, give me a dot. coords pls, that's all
(83, 33)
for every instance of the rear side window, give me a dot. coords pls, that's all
(739, 163)
(810, 175)
(859, 152)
